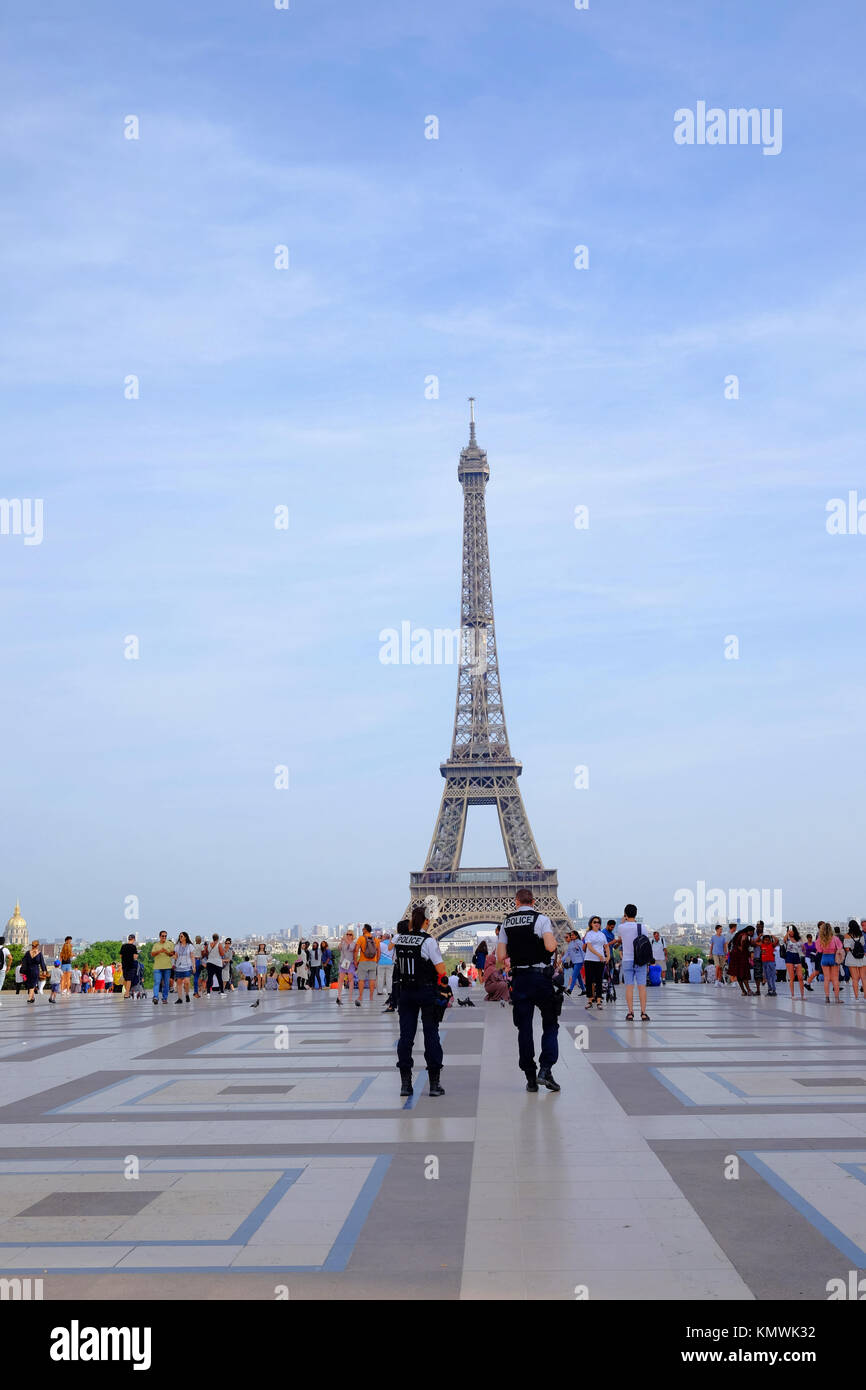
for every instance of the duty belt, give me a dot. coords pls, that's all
(531, 967)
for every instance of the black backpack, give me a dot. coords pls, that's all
(857, 950)
(643, 951)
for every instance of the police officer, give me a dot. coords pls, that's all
(527, 940)
(419, 969)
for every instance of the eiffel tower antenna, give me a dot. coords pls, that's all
(481, 770)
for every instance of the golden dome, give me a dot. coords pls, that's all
(16, 928)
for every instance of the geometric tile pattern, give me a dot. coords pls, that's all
(273, 1145)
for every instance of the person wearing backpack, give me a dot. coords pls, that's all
(855, 957)
(367, 954)
(637, 956)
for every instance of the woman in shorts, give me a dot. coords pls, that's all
(855, 957)
(830, 953)
(184, 964)
(793, 949)
(66, 954)
(261, 965)
(347, 964)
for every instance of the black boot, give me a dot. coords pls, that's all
(406, 1080)
(545, 1076)
(531, 1081)
(435, 1088)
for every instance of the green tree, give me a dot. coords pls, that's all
(100, 953)
(17, 953)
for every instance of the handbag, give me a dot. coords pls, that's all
(840, 956)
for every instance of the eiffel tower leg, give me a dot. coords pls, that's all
(446, 846)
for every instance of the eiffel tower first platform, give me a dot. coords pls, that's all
(480, 770)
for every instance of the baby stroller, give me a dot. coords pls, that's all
(609, 979)
(136, 987)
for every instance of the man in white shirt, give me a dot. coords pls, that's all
(5, 959)
(628, 929)
(660, 954)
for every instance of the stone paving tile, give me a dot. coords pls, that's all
(254, 1186)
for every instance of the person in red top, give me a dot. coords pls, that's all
(768, 960)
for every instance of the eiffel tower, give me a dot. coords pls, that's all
(480, 770)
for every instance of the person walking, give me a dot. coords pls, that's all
(315, 966)
(301, 970)
(660, 954)
(420, 972)
(385, 969)
(162, 955)
(479, 956)
(197, 966)
(831, 956)
(261, 965)
(718, 951)
(573, 959)
(740, 957)
(128, 963)
(527, 940)
(66, 954)
(768, 960)
(214, 960)
(636, 956)
(855, 958)
(758, 957)
(810, 958)
(5, 961)
(33, 969)
(327, 961)
(366, 962)
(596, 956)
(183, 967)
(228, 954)
(794, 960)
(346, 969)
(55, 975)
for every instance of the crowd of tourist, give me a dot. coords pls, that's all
(747, 957)
(199, 968)
(593, 964)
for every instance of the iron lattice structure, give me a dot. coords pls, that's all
(480, 770)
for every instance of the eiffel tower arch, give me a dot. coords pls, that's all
(481, 770)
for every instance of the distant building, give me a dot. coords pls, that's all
(16, 929)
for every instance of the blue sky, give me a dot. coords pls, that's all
(604, 387)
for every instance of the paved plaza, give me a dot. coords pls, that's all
(273, 1152)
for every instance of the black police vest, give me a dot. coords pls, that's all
(413, 970)
(522, 944)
